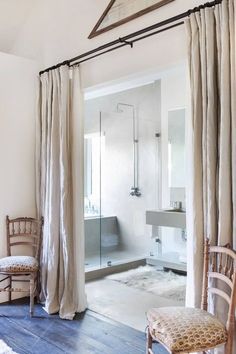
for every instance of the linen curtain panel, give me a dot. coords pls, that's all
(60, 191)
(212, 192)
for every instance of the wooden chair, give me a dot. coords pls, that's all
(187, 330)
(25, 233)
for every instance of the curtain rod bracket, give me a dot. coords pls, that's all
(66, 62)
(126, 42)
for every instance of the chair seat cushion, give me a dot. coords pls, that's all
(183, 329)
(18, 264)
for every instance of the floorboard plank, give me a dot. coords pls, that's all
(89, 333)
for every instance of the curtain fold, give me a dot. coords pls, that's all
(212, 193)
(62, 290)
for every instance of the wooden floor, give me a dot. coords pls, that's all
(88, 333)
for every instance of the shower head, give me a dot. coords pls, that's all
(120, 110)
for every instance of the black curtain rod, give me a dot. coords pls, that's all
(126, 43)
(131, 38)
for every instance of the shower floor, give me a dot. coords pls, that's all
(115, 257)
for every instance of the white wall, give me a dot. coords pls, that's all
(17, 140)
(58, 29)
(12, 17)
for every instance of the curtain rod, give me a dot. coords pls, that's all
(130, 39)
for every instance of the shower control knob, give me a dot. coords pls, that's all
(135, 192)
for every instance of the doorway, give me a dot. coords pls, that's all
(132, 156)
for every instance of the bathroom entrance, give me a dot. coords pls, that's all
(122, 153)
(135, 223)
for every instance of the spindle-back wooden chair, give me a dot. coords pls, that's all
(185, 330)
(22, 232)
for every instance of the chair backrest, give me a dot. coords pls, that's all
(24, 231)
(220, 269)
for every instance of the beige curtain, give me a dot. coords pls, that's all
(60, 191)
(212, 191)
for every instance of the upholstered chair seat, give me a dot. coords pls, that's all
(21, 264)
(184, 330)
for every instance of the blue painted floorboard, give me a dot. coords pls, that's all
(89, 333)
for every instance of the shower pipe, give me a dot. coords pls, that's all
(132, 38)
(135, 191)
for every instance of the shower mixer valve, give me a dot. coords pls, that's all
(135, 192)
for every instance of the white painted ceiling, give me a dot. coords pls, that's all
(13, 14)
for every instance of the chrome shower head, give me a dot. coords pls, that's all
(118, 109)
(124, 105)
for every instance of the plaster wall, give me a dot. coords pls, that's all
(17, 140)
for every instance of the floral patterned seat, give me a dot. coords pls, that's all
(186, 329)
(21, 264)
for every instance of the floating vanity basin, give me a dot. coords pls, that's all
(168, 218)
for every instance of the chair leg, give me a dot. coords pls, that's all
(149, 342)
(9, 293)
(228, 347)
(32, 294)
(37, 288)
